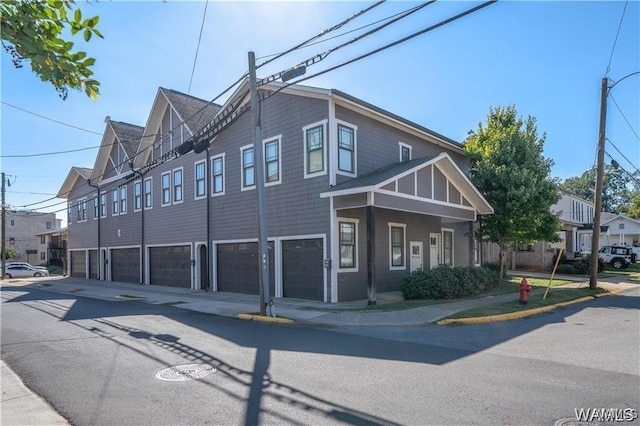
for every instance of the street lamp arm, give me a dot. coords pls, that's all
(626, 76)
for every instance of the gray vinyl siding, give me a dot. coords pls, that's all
(82, 234)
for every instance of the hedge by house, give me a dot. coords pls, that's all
(445, 282)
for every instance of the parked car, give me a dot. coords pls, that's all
(617, 256)
(22, 271)
(24, 264)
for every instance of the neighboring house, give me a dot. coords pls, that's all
(22, 228)
(356, 198)
(52, 249)
(622, 230)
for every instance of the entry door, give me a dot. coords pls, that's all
(434, 250)
(416, 255)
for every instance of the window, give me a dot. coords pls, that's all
(347, 239)
(200, 180)
(217, 175)
(103, 205)
(68, 214)
(447, 247)
(405, 152)
(272, 161)
(314, 149)
(96, 207)
(123, 200)
(12, 240)
(137, 195)
(13, 222)
(397, 245)
(43, 239)
(177, 185)
(48, 225)
(43, 256)
(166, 189)
(621, 226)
(147, 194)
(248, 167)
(114, 202)
(82, 210)
(346, 149)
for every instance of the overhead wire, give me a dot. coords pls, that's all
(50, 119)
(195, 59)
(624, 116)
(615, 41)
(623, 156)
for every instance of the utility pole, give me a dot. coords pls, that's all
(259, 181)
(595, 239)
(4, 234)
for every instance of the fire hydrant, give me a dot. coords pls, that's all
(525, 289)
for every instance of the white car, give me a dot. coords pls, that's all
(22, 271)
(24, 264)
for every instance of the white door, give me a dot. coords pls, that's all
(434, 250)
(416, 255)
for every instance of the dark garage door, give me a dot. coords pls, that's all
(170, 266)
(238, 268)
(79, 264)
(125, 265)
(303, 269)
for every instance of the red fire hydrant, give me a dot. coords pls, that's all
(525, 289)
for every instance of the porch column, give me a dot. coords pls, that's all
(371, 256)
(472, 239)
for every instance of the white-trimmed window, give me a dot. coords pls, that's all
(82, 210)
(217, 175)
(137, 195)
(248, 167)
(166, 188)
(447, 247)
(348, 244)
(103, 205)
(200, 179)
(314, 149)
(272, 155)
(114, 202)
(69, 212)
(397, 246)
(177, 185)
(148, 200)
(123, 200)
(96, 207)
(346, 149)
(405, 151)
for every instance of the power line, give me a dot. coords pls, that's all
(617, 165)
(623, 116)
(613, 48)
(623, 156)
(50, 119)
(193, 70)
(50, 153)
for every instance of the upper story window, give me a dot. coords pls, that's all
(347, 239)
(123, 200)
(68, 214)
(405, 152)
(217, 175)
(147, 194)
(177, 186)
(166, 188)
(13, 222)
(96, 207)
(621, 226)
(314, 153)
(137, 195)
(43, 239)
(397, 245)
(272, 161)
(114, 202)
(103, 205)
(248, 167)
(48, 225)
(346, 149)
(82, 210)
(200, 179)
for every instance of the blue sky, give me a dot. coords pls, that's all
(546, 57)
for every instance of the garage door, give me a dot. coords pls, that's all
(238, 268)
(79, 264)
(170, 266)
(125, 265)
(303, 269)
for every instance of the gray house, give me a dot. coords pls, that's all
(356, 197)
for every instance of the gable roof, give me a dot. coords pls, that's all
(377, 179)
(608, 217)
(194, 112)
(70, 181)
(117, 135)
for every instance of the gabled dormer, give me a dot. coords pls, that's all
(174, 118)
(120, 143)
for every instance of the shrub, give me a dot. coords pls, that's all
(566, 269)
(445, 282)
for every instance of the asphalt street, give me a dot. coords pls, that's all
(103, 362)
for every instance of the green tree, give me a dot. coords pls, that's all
(9, 253)
(616, 188)
(32, 30)
(508, 168)
(633, 209)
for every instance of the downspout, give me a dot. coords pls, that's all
(99, 214)
(209, 245)
(142, 265)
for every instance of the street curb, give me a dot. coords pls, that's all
(262, 318)
(522, 314)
